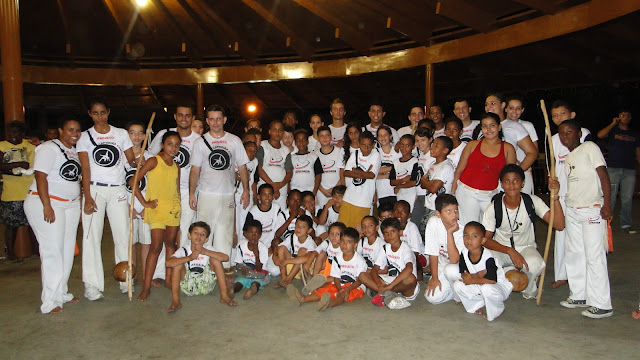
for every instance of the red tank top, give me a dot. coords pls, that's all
(483, 172)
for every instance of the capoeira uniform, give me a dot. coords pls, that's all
(490, 296)
(585, 249)
(516, 231)
(455, 154)
(560, 153)
(436, 244)
(395, 137)
(513, 132)
(271, 220)
(216, 158)
(348, 272)
(328, 166)
(106, 160)
(466, 134)
(337, 133)
(304, 174)
(332, 252)
(241, 213)
(358, 197)
(528, 174)
(246, 257)
(183, 159)
(443, 171)
(400, 170)
(370, 252)
(419, 209)
(276, 163)
(57, 239)
(384, 190)
(199, 279)
(396, 262)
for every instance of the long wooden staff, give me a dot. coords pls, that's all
(133, 201)
(552, 174)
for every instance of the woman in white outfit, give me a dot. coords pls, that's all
(53, 210)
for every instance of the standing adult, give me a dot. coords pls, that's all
(376, 120)
(184, 119)
(53, 210)
(415, 115)
(337, 126)
(103, 150)
(436, 114)
(213, 158)
(623, 142)
(462, 111)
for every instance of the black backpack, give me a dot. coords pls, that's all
(528, 204)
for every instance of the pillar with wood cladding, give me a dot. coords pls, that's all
(11, 61)
(429, 88)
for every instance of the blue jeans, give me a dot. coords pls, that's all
(623, 180)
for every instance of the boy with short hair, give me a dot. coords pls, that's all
(289, 215)
(250, 148)
(361, 169)
(393, 270)
(251, 257)
(274, 163)
(439, 178)
(453, 129)
(195, 277)
(346, 287)
(462, 111)
(410, 234)
(298, 249)
(329, 165)
(405, 171)
(443, 237)
(304, 176)
(329, 213)
(327, 252)
(482, 283)
(385, 211)
(423, 148)
(288, 139)
(268, 213)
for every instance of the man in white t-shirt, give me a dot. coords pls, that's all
(337, 126)
(376, 116)
(416, 113)
(462, 110)
(436, 114)
(213, 160)
(183, 118)
(274, 163)
(103, 149)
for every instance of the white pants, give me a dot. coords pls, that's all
(534, 261)
(241, 213)
(218, 211)
(447, 275)
(559, 268)
(142, 235)
(585, 257)
(57, 242)
(472, 203)
(490, 296)
(113, 201)
(187, 217)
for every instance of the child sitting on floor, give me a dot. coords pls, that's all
(269, 215)
(297, 249)
(195, 277)
(251, 259)
(410, 235)
(327, 252)
(346, 270)
(371, 244)
(482, 283)
(329, 213)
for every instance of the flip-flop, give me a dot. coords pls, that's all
(315, 283)
(325, 302)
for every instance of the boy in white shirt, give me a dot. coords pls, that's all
(251, 258)
(370, 245)
(331, 210)
(361, 170)
(327, 252)
(329, 165)
(274, 163)
(250, 148)
(405, 171)
(269, 215)
(439, 177)
(304, 177)
(410, 234)
(298, 249)
(453, 129)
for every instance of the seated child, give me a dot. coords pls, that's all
(385, 211)
(309, 205)
(349, 266)
(393, 270)
(195, 277)
(482, 283)
(289, 215)
(329, 213)
(410, 235)
(269, 215)
(327, 252)
(371, 244)
(443, 237)
(251, 259)
(297, 249)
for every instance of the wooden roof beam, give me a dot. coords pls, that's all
(466, 14)
(192, 48)
(544, 6)
(344, 31)
(302, 47)
(202, 25)
(65, 22)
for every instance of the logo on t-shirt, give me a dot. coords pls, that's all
(182, 157)
(219, 159)
(302, 165)
(358, 181)
(130, 174)
(106, 155)
(70, 170)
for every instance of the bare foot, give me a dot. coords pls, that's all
(231, 291)
(481, 312)
(458, 303)
(636, 314)
(174, 307)
(306, 273)
(253, 289)
(57, 310)
(167, 284)
(75, 300)
(228, 301)
(557, 284)
(279, 285)
(143, 295)
(156, 283)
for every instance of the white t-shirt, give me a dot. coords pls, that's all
(444, 172)
(216, 159)
(528, 125)
(130, 173)
(400, 170)
(304, 174)
(396, 261)
(360, 191)
(405, 131)
(293, 244)
(284, 215)
(395, 137)
(271, 221)
(247, 257)
(182, 158)
(383, 187)
(411, 236)
(252, 170)
(106, 154)
(487, 262)
(370, 252)
(337, 133)
(329, 166)
(273, 161)
(314, 145)
(560, 152)
(348, 271)
(331, 251)
(198, 264)
(584, 187)
(438, 133)
(62, 166)
(467, 132)
(523, 233)
(513, 132)
(424, 161)
(436, 240)
(332, 216)
(456, 153)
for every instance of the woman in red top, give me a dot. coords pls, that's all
(478, 172)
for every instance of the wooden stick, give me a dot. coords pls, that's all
(302, 275)
(552, 174)
(133, 201)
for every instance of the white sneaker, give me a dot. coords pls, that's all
(92, 293)
(398, 303)
(125, 289)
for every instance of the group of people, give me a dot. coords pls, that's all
(350, 209)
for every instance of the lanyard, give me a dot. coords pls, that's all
(515, 220)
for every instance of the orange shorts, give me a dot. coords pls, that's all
(333, 291)
(327, 269)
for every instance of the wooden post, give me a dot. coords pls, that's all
(11, 61)
(200, 101)
(429, 88)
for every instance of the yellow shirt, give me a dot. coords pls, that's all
(15, 188)
(162, 186)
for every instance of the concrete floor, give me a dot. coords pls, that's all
(269, 326)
